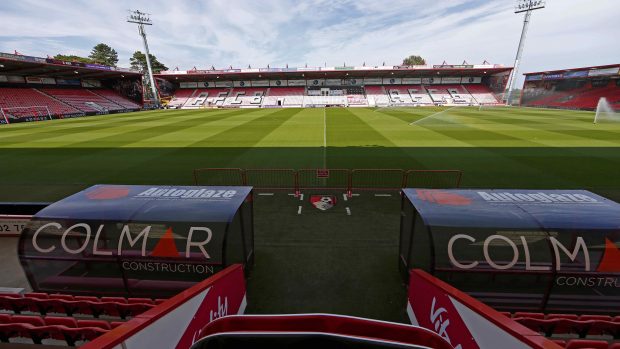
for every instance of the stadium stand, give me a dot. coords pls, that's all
(30, 97)
(285, 96)
(399, 95)
(207, 97)
(69, 305)
(419, 95)
(49, 330)
(180, 97)
(116, 98)
(83, 100)
(481, 94)
(439, 94)
(584, 97)
(377, 96)
(241, 96)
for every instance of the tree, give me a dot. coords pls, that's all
(138, 62)
(104, 54)
(414, 60)
(72, 58)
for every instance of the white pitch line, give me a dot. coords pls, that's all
(291, 194)
(383, 194)
(265, 194)
(437, 113)
(301, 197)
(299, 210)
(324, 137)
(344, 197)
(355, 194)
(348, 211)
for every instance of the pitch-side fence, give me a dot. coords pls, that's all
(332, 179)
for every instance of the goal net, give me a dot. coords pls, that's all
(605, 113)
(19, 114)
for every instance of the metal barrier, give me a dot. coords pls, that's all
(332, 179)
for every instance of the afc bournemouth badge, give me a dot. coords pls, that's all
(323, 202)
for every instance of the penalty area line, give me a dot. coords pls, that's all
(299, 209)
(348, 211)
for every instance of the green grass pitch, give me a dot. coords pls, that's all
(343, 260)
(496, 147)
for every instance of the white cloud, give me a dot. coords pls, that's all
(235, 32)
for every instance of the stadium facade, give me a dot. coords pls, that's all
(344, 86)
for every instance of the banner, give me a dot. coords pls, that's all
(556, 76)
(243, 83)
(71, 82)
(52, 81)
(451, 80)
(373, 81)
(261, 83)
(471, 80)
(188, 85)
(601, 72)
(15, 79)
(463, 321)
(333, 82)
(535, 77)
(91, 83)
(315, 82)
(223, 84)
(273, 83)
(177, 323)
(33, 80)
(575, 74)
(392, 81)
(297, 82)
(412, 81)
(451, 66)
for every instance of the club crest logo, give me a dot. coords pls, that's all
(323, 202)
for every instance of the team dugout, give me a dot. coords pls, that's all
(517, 250)
(139, 241)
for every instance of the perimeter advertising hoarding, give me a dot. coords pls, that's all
(177, 323)
(576, 74)
(151, 241)
(534, 77)
(464, 321)
(558, 249)
(603, 72)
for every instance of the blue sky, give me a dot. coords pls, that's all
(568, 33)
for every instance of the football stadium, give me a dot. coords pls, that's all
(409, 205)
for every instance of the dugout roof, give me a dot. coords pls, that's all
(526, 209)
(123, 203)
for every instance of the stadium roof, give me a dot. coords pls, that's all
(599, 67)
(11, 64)
(335, 72)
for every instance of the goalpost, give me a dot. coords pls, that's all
(39, 112)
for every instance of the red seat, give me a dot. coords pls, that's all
(529, 315)
(506, 313)
(37, 295)
(26, 319)
(86, 298)
(615, 345)
(73, 335)
(66, 297)
(586, 344)
(114, 299)
(125, 310)
(160, 300)
(595, 317)
(94, 323)
(563, 316)
(58, 320)
(139, 300)
(545, 326)
(5, 318)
